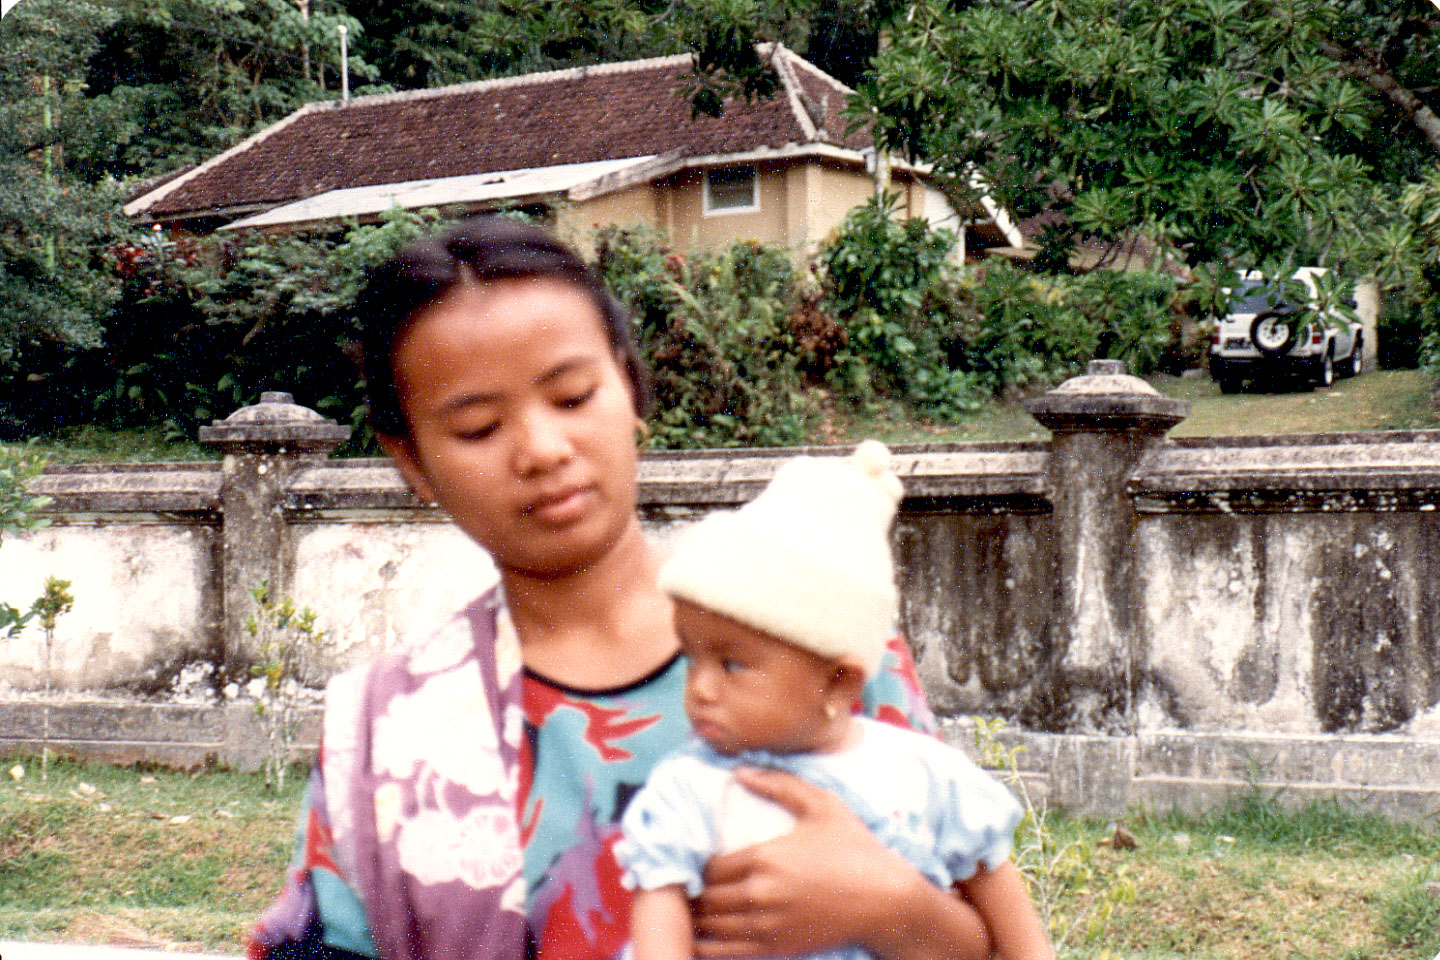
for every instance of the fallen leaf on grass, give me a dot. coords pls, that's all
(183, 818)
(1121, 839)
(147, 779)
(17, 772)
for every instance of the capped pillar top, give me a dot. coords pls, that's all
(276, 424)
(1106, 398)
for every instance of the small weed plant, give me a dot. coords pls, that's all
(18, 506)
(48, 608)
(287, 646)
(1077, 897)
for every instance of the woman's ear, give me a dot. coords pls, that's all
(623, 364)
(402, 451)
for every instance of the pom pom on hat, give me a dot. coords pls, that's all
(872, 458)
(807, 561)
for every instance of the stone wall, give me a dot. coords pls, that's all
(1162, 621)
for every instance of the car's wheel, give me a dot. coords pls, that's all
(1229, 383)
(1274, 333)
(1325, 371)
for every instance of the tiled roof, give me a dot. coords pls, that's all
(538, 120)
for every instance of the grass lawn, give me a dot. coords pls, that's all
(1379, 400)
(135, 857)
(185, 861)
(136, 445)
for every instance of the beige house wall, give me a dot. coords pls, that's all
(637, 206)
(691, 228)
(802, 203)
(832, 192)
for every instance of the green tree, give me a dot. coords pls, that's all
(175, 81)
(1214, 127)
(1241, 131)
(54, 227)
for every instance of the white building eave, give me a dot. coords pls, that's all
(478, 188)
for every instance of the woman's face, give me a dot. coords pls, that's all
(522, 424)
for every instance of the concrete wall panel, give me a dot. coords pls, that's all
(377, 585)
(144, 604)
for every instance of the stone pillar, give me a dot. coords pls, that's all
(1102, 424)
(263, 446)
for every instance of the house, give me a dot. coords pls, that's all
(609, 144)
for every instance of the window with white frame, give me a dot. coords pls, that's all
(731, 190)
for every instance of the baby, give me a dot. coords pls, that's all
(784, 608)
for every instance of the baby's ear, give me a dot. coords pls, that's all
(848, 678)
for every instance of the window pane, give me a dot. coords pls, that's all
(731, 188)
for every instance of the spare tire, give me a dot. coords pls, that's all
(1274, 332)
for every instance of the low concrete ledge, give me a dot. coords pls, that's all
(931, 473)
(1091, 775)
(315, 492)
(984, 477)
(86, 491)
(1394, 470)
(177, 735)
(1398, 777)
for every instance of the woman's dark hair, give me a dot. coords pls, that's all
(482, 249)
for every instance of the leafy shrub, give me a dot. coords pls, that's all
(714, 329)
(1017, 333)
(1404, 333)
(1026, 329)
(892, 287)
(1131, 315)
(18, 466)
(205, 325)
(743, 347)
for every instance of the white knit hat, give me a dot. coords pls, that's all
(807, 561)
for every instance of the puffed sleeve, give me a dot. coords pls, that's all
(978, 817)
(668, 828)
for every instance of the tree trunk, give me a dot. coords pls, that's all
(1382, 81)
(304, 6)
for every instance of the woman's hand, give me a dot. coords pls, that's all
(827, 883)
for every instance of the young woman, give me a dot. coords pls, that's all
(467, 799)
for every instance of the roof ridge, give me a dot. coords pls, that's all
(780, 57)
(498, 83)
(822, 74)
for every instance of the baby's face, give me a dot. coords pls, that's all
(747, 690)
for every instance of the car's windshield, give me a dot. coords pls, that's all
(1259, 297)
